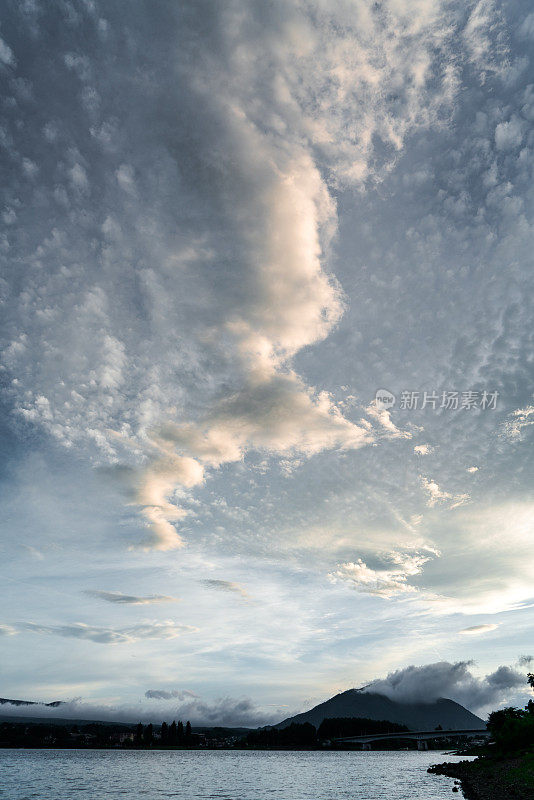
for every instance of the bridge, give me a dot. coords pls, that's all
(421, 737)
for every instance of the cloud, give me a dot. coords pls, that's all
(6, 54)
(387, 581)
(483, 568)
(423, 449)
(224, 711)
(152, 318)
(7, 630)
(273, 413)
(130, 599)
(474, 630)
(192, 276)
(472, 469)
(147, 630)
(383, 417)
(455, 681)
(521, 418)
(226, 586)
(509, 135)
(174, 694)
(436, 496)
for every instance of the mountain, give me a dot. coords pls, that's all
(7, 701)
(416, 716)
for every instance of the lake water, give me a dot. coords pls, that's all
(220, 775)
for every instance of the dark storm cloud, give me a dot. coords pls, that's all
(454, 681)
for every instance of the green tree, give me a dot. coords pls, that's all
(180, 731)
(188, 731)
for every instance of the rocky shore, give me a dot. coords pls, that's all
(491, 778)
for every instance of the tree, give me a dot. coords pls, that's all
(139, 734)
(497, 720)
(188, 730)
(180, 731)
(148, 734)
(173, 738)
(164, 733)
(530, 679)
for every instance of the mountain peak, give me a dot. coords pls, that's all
(373, 705)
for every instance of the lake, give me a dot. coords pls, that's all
(220, 774)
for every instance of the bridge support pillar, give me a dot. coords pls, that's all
(422, 744)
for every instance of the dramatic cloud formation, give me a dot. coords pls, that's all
(315, 124)
(223, 226)
(454, 681)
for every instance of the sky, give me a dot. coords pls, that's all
(266, 363)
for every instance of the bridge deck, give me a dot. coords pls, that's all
(376, 737)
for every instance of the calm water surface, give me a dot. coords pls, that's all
(219, 775)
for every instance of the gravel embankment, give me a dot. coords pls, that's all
(492, 779)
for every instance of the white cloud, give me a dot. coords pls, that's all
(280, 147)
(225, 711)
(7, 630)
(30, 168)
(527, 27)
(181, 318)
(519, 419)
(388, 581)
(483, 568)
(475, 630)
(147, 630)
(125, 178)
(509, 135)
(78, 178)
(437, 496)
(423, 449)
(130, 599)
(275, 413)
(6, 54)
(383, 417)
(226, 586)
